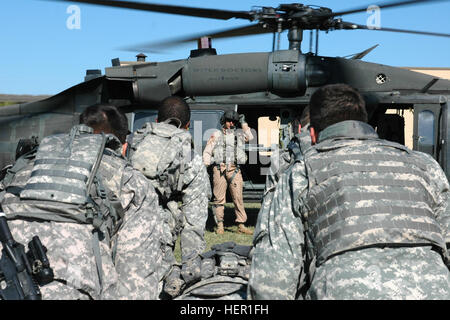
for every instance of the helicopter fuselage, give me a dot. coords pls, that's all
(273, 85)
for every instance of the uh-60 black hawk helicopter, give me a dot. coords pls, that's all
(273, 85)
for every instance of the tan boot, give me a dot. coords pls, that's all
(220, 229)
(243, 229)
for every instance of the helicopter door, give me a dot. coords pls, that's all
(444, 154)
(426, 126)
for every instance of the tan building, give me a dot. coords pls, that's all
(408, 114)
(443, 73)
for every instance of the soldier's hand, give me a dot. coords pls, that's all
(242, 118)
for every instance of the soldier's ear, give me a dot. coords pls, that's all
(313, 134)
(187, 125)
(124, 148)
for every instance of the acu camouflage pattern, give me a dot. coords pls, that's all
(177, 171)
(400, 272)
(282, 159)
(278, 244)
(64, 167)
(128, 272)
(382, 274)
(160, 151)
(278, 240)
(366, 191)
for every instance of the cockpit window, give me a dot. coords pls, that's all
(425, 131)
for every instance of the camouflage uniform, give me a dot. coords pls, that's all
(386, 247)
(282, 159)
(133, 274)
(183, 187)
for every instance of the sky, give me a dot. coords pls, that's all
(44, 50)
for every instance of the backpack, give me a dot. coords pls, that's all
(65, 186)
(160, 151)
(225, 270)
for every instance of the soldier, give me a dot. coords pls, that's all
(225, 150)
(357, 218)
(164, 152)
(282, 159)
(98, 217)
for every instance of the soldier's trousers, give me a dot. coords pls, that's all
(221, 180)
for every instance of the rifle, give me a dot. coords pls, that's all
(21, 273)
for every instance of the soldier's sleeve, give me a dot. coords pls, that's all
(207, 153)
(137, 245)
(442, 210)
(280, 161)
(195, 197)
(248, 136)
(278, 241)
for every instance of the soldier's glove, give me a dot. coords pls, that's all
(242, 119)
(26, 145)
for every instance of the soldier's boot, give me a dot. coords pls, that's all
(243, 229)
(220, 229)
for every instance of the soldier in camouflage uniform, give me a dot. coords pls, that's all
(357, 218)
(225, 150)
(164, 152)
(115, 257)
(282, 159)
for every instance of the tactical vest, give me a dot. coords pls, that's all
(160, 151)
(229, 149)
(361, 199)
(63, 182)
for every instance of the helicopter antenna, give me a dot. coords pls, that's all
(274, 39)
(317, 42)
(311, 42)
(279, 30)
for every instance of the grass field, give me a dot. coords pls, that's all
(230, 234)
(6, 103)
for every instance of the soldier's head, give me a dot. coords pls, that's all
(334, 103)
(107, 119)
(229, 119)
(304, 119)
(176, 111)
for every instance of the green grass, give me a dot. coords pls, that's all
(6, 103)
(230, 234)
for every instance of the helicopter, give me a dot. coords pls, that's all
(270, 88)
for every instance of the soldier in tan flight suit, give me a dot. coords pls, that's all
(225, 150)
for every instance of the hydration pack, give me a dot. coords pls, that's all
(160, 151)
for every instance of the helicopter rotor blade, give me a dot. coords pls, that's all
(219, 34)
(180, 10)
(356, 26)
(384, 5)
